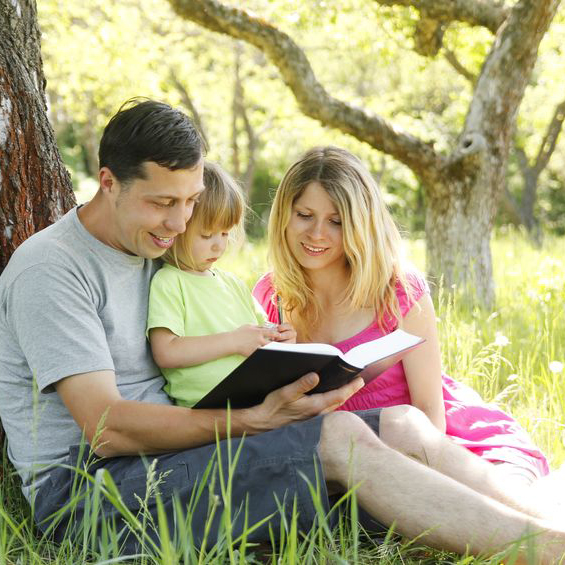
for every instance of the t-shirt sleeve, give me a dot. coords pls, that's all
(166, 308)
(250, 300)
(264, 292)
(259, 312)
(417, 286)
(55, 321)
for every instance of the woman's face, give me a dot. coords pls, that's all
(314, 233)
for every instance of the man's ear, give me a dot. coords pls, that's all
(107, 180)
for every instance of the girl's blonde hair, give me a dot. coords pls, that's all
(371, 239)
(220, 207)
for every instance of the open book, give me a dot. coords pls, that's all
(278, 364)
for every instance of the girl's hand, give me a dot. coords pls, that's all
(287, 333)
(248, 338)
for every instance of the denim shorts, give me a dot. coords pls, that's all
(271, 473)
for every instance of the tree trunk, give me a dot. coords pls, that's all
(35, 188)
(531, 178)
(458, 252)
(463, 206)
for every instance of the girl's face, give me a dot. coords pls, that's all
(207, 247)
(314, 233)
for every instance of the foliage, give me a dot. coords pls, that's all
(510, 356)
(98, 54)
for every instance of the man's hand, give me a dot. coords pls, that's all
(291, 403)
(130, 427)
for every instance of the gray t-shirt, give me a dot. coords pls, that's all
(68, 304)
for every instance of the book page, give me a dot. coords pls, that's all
(372, 351)
(319, 348)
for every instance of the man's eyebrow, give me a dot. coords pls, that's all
(173, 196)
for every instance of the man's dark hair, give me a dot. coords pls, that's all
(146, 130)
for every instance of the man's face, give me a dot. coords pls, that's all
(149, 213)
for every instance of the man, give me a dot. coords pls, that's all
(74, 360)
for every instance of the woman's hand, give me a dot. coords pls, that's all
(287, 333)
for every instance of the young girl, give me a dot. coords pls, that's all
(338, 278)
(202, 322)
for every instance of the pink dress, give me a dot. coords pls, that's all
(482, 428)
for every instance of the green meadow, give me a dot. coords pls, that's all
(513, 355)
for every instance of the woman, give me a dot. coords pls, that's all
(338, 278)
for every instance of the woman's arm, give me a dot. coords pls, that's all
(423, 365)
(171, 351)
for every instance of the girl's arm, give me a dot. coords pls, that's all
(171, 351)
(423, 365)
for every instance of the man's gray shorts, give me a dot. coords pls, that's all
(273, 470)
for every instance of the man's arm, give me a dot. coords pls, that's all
(130, 427)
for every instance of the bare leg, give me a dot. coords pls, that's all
(420, 500)
(408, 430)
(518, 475)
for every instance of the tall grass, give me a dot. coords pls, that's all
(511, 355)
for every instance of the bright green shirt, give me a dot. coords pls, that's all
(195, 305)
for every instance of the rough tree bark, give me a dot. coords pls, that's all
(462, 188)
(35, 188)
(522, 213)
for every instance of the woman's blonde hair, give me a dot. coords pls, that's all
(220, 207)
(371, 239)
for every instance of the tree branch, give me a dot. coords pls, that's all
(506, 71)
(550, 139)
(473, 12)
(428, 36)
(311, 96)
(452, 59)
(187, 102)
(522, 159)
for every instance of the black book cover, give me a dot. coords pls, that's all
(268, 369)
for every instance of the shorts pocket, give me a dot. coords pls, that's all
(164, 483)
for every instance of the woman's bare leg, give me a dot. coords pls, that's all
(408, 430)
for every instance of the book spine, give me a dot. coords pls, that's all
(336, 374)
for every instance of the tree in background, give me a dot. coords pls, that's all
(464, 184)
(520, 208)
(35, 188)
(523, 211)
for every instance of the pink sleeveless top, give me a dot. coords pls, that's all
(480, 427)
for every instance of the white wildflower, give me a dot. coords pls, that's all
(501, 340)
(556, 367)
